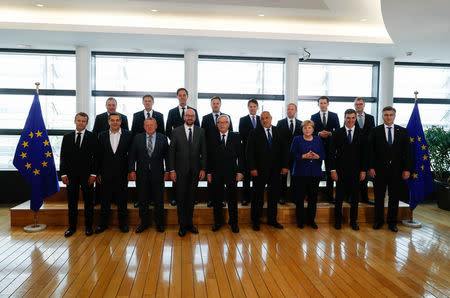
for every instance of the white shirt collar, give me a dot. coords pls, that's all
(145, 113)
(82, 132)
(351, 128)
(385, 126)
(119, 132)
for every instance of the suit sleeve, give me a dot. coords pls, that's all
(250, 151)
(134, 125)
(316, 126)
(197, 121)
(165, 153)
(241, 158)
(243, 131)
(101, 153)
(231, 125)
(160, 122)
(203, 151)
(407, 159)
(132, 154)
(169, 125)
(211, 155)
(364, 153)
(62, 162)
(170, 165)
(321, 151)
(203, 123)
(124, 124)
(96, 128)
(284, 152)
(371, 150)
(94, 153)
(332, 153)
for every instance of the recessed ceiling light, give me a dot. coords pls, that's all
(363, 20)
(40, 5)
(154, 10)
(260, 15)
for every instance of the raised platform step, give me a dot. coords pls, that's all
(55, 213)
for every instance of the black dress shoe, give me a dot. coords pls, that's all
(193, 230)
(181, 232)
(354, 226)
(160, 228)
(173, 203)
(393, 228)
(235, 228)
(256, 227)
(244, 202)
(152, 203)
(224, 204)
(300, 225)
(136, 204)
(276, 225)
(141, 228)
(313, 225)
(337, 226)
(377, 225)
(89, 232)
(100, 229)
(216, 227)
(209, 204)
(282, 201)
(124, 228)
(69, 233)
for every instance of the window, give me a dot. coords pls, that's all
(430, 114)
(55, 71)
(335, 79)
(429, 81)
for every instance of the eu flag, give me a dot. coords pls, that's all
(34, 157)
(420, 182)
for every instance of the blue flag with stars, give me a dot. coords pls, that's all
(34, 157)
(420, 182)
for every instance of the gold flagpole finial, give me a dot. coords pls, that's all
(37, 86)
(415, 95)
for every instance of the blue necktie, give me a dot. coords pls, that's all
(269, 137)
(360, 121)
(254, 121)
(291, 127)
(389, 136)
(216, 116)
(349, 136)
(190, 137)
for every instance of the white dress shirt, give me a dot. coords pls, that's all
(289, 122)
(226, 136)
(145, 113)
(271, 134)
(352, 131)
(321, 116)
(81, 136)
(180, 110)
(186, 129)
(386, 132)
(114, 139)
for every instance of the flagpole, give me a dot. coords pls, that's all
(411, 222)
(35, 227)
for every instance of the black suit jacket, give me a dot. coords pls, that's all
(138, 122)
(285, 132)
(114, 164)
(225, 162)
(369, 123)
(78, 161)
(140, 162)
(385, 159)
(210, 126)
(332, 122)
(101, 123)
(245, 126)
(184, 158)
(263, 158)
(174, 120)
(348, 159)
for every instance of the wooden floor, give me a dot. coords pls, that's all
(289, 262)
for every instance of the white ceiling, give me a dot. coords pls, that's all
(328, 28)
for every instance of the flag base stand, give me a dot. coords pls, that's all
(412, 223)
(35, 228)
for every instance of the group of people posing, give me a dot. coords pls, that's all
(260, 155)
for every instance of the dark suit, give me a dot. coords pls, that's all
(210, 127)
(245, 126)
(285, 131)
(223, 164)
(114, 170)
(389, 162)
(187, 161)
(174, 120)
(101, 123)
(349, 160)
(331, 126)
(369, 123)
(149, 175)
(78, 163)
(138, 122)
(268, 161)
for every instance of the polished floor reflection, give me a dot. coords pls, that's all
(289, 262)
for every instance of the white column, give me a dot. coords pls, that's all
(386, 97)
(191, 76)
(291, 80)
(85, 102)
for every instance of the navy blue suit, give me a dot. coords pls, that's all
(174, 120)
(369, 123)
(149, 175)
(138, 122)
(101, 123)
(332, 126)
(285, 132)
(245, 127)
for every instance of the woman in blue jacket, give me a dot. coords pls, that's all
(308, 153)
